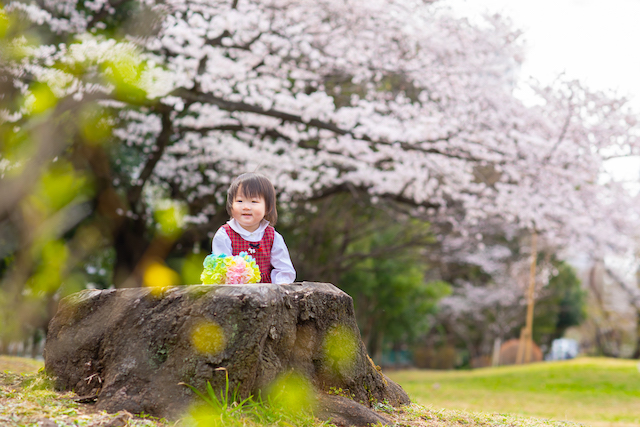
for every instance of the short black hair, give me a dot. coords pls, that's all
(255, 185)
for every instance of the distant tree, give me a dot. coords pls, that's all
(561, 305)
(374, 254)
(614, 308)
(488, 300)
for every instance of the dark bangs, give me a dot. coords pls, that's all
(255, 185)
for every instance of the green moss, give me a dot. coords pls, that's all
(338, 391)
(159, 356)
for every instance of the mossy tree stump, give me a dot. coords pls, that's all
(134, 349)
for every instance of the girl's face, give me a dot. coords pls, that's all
(248, 211)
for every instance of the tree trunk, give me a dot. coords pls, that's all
(636, 352)
(130, 244)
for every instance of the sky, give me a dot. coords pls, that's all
(594, 41)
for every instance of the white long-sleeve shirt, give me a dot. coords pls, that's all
(283, 271)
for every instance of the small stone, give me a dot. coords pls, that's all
(120, 420)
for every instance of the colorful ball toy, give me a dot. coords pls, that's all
(228, 269)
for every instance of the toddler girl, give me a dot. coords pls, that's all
(251, 204)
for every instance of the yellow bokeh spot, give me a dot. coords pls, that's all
(43, 99)
(292, 392)
(170, 219)
(340, 348)
(203, 416)
(125, 73)
(4, 23)
(158, 277)
(96, 125)
(126, 68)
(208, 338)
(48, 277)
(17, 146)
(58, 187)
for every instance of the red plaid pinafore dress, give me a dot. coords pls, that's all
(260, 251)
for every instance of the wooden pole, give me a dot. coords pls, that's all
(526, 334)
(520, 354)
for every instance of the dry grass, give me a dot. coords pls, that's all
(27, 399)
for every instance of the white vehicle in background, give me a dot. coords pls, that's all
(562, 349)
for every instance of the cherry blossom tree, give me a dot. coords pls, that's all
(394, 98)
(489, 301)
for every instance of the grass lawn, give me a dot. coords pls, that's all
(19, 365)
(27, 399)
(593, 391)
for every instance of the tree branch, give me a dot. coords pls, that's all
(319, 124)
(133, 195)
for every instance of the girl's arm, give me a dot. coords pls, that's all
(221, 243)
(283, 271)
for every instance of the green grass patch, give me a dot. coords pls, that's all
(290, 404)
(595, 391)
(416, 415)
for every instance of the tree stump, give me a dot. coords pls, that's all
(134, 349)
